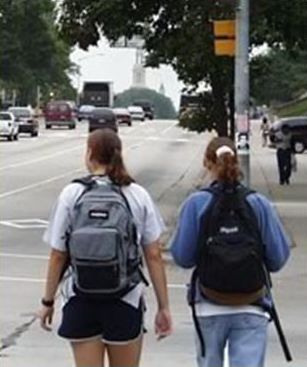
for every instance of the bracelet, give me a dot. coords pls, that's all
(47, 303)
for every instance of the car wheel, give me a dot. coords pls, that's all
(71, 127)
(34, 134)
(48, 126)
(16, 136)
(129, 123)
(10, 137)
(299, 147)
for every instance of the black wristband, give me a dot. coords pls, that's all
(47, 303)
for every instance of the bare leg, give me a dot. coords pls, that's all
(126, 355)
(89, 353)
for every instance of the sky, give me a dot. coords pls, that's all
(103, 63)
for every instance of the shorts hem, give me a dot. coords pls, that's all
(124, 342)
(86, 339)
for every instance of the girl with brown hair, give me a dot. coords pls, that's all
(99, 327)
(203, 240)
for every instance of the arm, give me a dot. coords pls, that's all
(185, 239)
(154, 262)
(57, 263)
(274, 237)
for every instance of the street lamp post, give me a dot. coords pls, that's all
(242, 88)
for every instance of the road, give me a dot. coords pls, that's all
(167, 161)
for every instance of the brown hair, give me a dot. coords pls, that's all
(227, 164)
(106, 149)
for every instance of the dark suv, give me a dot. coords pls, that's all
(102, 118)
(298, 127)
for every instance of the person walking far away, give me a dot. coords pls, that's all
(283, 143)
(265, 129)
(230, 235)
(98, 230)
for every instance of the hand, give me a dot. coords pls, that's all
(163, 323)
(45, 315)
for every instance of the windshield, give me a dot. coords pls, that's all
(5, 116)
(20, 112)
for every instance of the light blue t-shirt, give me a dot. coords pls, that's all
(185, 240)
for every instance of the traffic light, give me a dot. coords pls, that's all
(225, 37)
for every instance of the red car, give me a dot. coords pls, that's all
(60, 113)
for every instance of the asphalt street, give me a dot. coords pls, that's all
(167, 161)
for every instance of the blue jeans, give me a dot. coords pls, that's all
(245, 334)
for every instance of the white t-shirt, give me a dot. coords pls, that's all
(147, 218)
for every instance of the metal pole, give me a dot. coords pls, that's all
(242, 88)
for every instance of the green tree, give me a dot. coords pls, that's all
(32, 53)
(279, 76)
(163, 106)
(179, 33)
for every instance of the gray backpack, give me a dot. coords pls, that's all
(104, 253)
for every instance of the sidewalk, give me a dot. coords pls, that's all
(290, 285)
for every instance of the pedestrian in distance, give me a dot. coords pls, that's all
(232, 238)
(283, 143)
(98, 230)
(265, 129)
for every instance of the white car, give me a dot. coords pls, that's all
(137, 113)
(9, 127)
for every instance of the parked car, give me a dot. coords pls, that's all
(8, 126)
(123, 116)
(85, 111)
(137, 113)
(298, 127)
(28, 123)
(147, 108)
(102, 117)
(60, 113)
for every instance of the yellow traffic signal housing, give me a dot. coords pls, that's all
(224, 47)
(225, 37)
(225, 28)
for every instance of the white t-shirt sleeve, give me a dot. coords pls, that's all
(60, 218)
(153, 225)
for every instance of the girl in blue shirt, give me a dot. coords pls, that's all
(243, 328)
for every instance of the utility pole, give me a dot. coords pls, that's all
(242, 88)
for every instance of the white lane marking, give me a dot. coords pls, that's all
(169, 128)
(21, 279)
(25, 223)
(48, 156)
(49, 180)
(23, 256)
(38, 184)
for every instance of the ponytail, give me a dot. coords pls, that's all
(222, 153)
(106, 149)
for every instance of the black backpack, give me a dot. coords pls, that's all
(230, 249)
(230, 268)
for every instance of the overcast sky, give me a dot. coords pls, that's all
(103, 63)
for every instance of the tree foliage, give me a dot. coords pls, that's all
(179, 33)
(279, 76)
(163, 106)
(32, 53)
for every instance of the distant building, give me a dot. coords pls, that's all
(139, 70)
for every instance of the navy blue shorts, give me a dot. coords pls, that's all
(112, 321)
